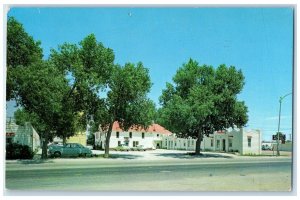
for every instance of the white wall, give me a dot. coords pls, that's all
(148, 141)
(239, 139)
(172, 142)
(26, 135)
(255, 147)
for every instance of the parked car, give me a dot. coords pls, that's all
(266, 147)
(69, 150)
(122, 147)
(141, 148)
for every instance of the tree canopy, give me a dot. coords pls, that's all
(22, 50)
(203, 100)
(102, 89)
(126, 100)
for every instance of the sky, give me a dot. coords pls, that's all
(259, 41)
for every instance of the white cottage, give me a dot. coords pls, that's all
(149, 138)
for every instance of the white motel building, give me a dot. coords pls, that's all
(157, 137)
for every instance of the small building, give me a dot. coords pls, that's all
(150, 137)
(231, 140)
(25, 135)
(79, 137)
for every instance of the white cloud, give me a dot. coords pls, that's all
(276, 117)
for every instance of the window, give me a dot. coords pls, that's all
(192, 142)
(117, 135)
(130, 134)
(230, 142)
(184, 144)
(212, 142)
(218, 143)
(157, 135)
(188, 143)
(249, 141)
(119, 143)
(135, 143)
(175, 144)
(143, 135)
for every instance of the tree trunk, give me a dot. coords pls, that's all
(64, 140)
(198, 144)
(106, 154)
(44, 146)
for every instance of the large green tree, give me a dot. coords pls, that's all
(101, 89)
(126, 100)
(203, 100)
(22, 50)
(88, 67)
(40, 91)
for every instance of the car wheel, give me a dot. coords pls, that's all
(57, 154)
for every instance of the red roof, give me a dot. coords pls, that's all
(152, 128)
(221, 131)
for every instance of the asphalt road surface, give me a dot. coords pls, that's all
(256, 175)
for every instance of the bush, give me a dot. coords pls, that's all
(18, 151)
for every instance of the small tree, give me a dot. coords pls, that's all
(202, 101)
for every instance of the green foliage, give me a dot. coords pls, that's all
(88, 66)
(18, 151)
(203, 100)
(22, 116)
(59, 95)
(22, 51)
(126, 100)
(21, 47)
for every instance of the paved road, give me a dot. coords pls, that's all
(185, 175)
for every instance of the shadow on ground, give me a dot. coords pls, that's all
(34, 161)
(192, 155)
(124, 156)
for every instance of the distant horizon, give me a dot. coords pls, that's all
(259, 41)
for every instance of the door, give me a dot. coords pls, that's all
(224, 145)
(67, 150)
(126, 141)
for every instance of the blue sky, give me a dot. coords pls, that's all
(259, 41)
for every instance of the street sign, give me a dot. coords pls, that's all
(282, 137)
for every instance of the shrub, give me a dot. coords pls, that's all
(18, 151)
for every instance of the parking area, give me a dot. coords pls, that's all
(164, 154)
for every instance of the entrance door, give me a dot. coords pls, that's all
(126, 141)
(157, 144)
(224, 145)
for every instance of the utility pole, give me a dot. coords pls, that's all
(280, 101)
